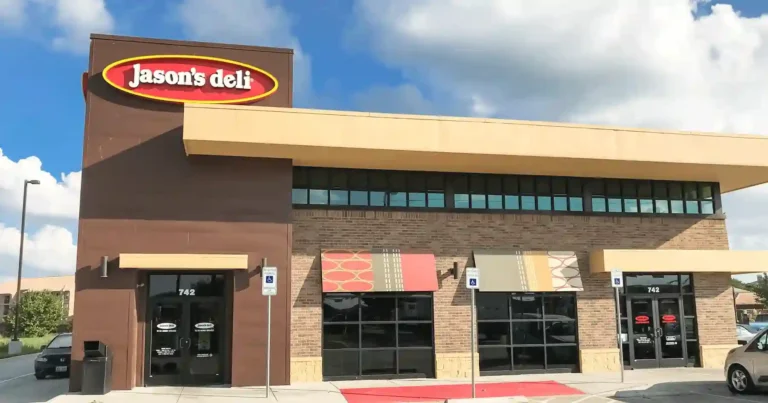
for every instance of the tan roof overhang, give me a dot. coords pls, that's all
(429, 143)
(675, 260)
(190, 261)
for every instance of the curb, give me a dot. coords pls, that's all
(509, 399)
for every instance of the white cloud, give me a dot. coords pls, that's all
(77, 19)
(55, 198)
(68, 23)
(49, 251)
(405, 98)
(12, 13)
(254, 22)
(642, 63)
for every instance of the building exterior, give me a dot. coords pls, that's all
(371, 221)
(65, 285)
(748, 305)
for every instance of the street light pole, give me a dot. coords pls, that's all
(21, 257)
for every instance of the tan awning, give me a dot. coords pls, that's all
(528, 271)
(166, 261)
(676, 260)
(341, 139)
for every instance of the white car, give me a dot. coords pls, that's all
(746, 367)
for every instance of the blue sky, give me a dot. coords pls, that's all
(44, 116)
(652, 63)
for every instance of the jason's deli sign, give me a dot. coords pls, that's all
(193, 79)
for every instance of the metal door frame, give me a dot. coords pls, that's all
(658, 362)
(225, 356)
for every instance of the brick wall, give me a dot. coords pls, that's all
(453, 236)
(714, 308)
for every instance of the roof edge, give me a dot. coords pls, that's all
(217, 45)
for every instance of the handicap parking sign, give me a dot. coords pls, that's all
(473, 282)
(270, 279)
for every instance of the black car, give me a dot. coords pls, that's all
(54, 358)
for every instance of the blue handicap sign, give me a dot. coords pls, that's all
(270, 280)
(473, 282)
(617, 281)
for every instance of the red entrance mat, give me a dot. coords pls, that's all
(434, 393)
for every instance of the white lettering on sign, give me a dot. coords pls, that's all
(204, 325)
(238, 80)
(166, 326)
(187, 291)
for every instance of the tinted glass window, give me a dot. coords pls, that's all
(405, 189)
(163, 285)
(540, 323)
(204, 285)
(390, 333)
(652, 283)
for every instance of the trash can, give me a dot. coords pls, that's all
(97, 368)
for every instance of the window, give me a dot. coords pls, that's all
(373, 335)
(599, 201)
(5, 307)
(527, 332)
(706, 195)
(613, 191)
(511, 193)
(341, 188)
(544, 193)
(199, 285)
(527, 193)
(645, 195)
(575, 195)
(461, 191)
(676, 198)
(629, 194)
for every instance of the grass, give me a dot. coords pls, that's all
(30, 345)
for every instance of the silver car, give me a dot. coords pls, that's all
(746, 367)
(745, 333)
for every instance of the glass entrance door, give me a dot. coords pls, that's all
(186, 331)
(185, 342)
(671, 343)
(656, 334)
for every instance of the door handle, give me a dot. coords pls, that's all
(185, 342)
(659, 332)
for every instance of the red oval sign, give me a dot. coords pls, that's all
(669, 318)
(642, 319)
(190, 79)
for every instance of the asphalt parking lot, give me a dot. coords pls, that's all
(673, 392)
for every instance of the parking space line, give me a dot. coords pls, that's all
(17, 377)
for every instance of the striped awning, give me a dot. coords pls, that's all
(527, 271)
(378, 270)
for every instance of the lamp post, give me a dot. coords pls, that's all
(17, 344)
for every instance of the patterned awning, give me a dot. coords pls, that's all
(378, 270)
(527, 271)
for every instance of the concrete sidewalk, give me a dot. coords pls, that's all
(646, 385)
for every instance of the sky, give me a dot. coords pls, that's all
(660, 64)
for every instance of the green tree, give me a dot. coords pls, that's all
(41, 314)
(760, 288)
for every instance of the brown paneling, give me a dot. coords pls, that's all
(142, 194)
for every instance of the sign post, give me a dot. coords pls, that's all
(268, 289)
(473, 283)
(617, 282)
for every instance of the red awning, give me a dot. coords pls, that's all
(378, 270)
